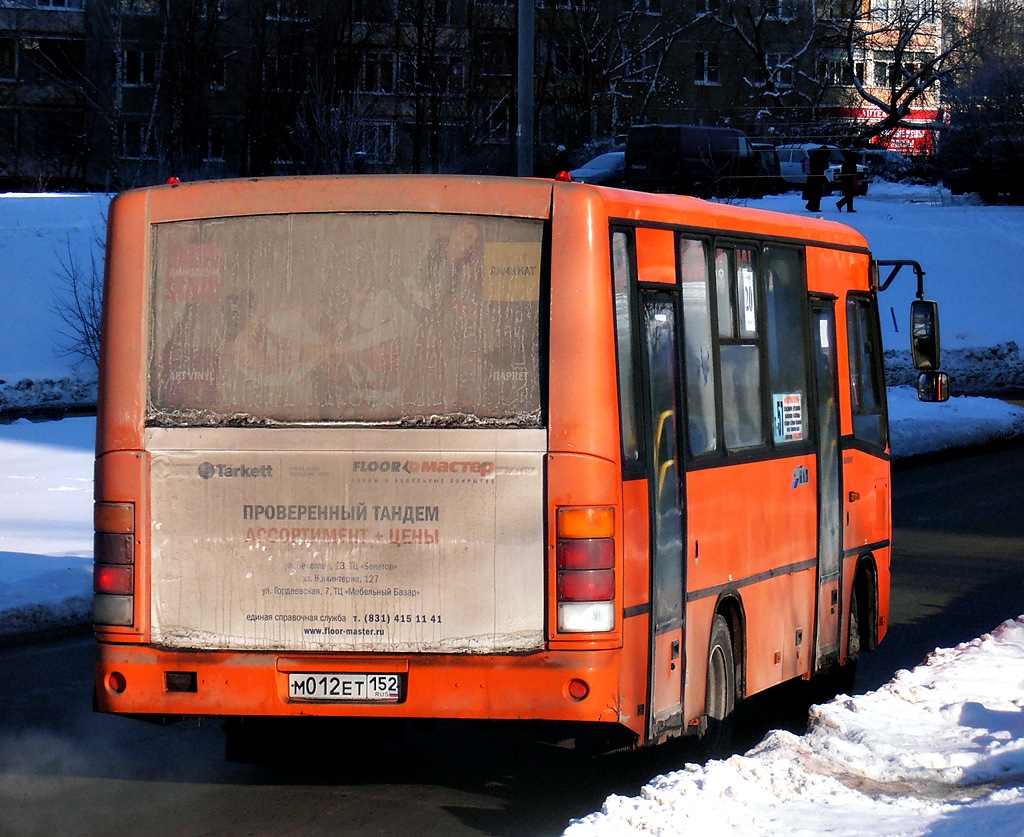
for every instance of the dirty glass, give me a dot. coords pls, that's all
(410, 319)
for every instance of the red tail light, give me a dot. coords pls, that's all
(586, 586)
(113, 575)
(117, 580)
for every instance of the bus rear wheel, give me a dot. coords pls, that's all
(720, 702)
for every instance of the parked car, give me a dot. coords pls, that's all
(769, 175)
(691, 160)
(793, 160)
(605, 169)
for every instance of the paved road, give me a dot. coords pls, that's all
(959, 571)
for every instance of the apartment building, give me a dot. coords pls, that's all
(114, 93)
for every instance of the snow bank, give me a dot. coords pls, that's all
(938, 751)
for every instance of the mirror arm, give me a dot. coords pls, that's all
(896, 265)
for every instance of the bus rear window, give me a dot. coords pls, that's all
(409, 319)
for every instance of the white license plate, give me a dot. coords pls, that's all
(366, 687)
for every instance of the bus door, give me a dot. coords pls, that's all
(823, 336)
(667, 531)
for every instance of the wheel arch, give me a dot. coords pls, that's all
(730, 608)
(865, 585)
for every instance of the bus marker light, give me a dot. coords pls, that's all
(586, 522)
(578, 689)
(114, 517)
(116, 682)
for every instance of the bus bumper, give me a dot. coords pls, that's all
(565, 686)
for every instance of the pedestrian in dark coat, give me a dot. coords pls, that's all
(815, 188)
(848, 182)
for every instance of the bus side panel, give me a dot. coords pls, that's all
(636, 603)
(583, 395)
(744, 523)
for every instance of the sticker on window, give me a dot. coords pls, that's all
(788, 416)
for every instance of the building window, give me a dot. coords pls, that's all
(647, 7)
(8, 59)
(494, 122)
(781, 9)
(496, 55)
(644, 65)
(375, 142)
(891, 11)
(779, 68)
(292, 10)
(218, 74)
(8, 129)
(138, 68)
(214, 152)
(837, 72)
(377, 73)
(284, 73)
(705, 69)
(137, 141)
(139, 7)
(70, 5)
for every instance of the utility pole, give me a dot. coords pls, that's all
(524, 131)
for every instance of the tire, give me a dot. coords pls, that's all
(720, 700)
(839, 679)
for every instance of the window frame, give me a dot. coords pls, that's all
(866, 368)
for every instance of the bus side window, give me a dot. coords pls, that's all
(785, 295)
(867, 381)
(739, 333)
(698, 346)
(623, 270)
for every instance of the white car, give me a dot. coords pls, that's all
(793, 160)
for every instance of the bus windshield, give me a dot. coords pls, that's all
(377, 318)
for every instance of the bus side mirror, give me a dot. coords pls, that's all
(924, 334)
(933, 386)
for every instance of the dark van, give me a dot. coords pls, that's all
(691, 160)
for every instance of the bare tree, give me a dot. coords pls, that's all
(604, 67)
(777, 44)
(78, 301)
(915, 48)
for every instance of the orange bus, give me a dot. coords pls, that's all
(483, 448)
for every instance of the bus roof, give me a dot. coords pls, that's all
(467, 194)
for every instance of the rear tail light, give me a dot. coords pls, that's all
(113, 577)
(585, 586)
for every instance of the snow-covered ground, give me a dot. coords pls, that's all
(938, 751)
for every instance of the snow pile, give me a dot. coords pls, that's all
(45, 525)
(916, 427)
(939, 750)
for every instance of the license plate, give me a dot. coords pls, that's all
(353, 687)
